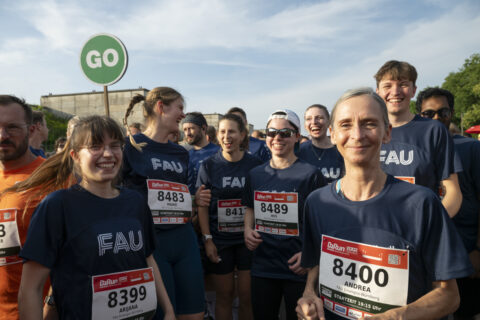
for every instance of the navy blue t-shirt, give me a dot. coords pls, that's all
(163, 161)
(196, 159)
(79, 235)
(422, 149)
(271, 256)
(226, 180)
(401, 216)
(329, 161)
(466, 220)
(259, 149)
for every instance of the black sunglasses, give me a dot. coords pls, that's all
(284, 133)
(442, 113)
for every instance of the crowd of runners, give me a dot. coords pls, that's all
(379, 218)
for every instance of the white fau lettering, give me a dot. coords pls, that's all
(120, 242)
(233, 182)
(167, 165)
(333, 174)
(392, 157)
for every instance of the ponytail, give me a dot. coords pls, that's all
(136, 99)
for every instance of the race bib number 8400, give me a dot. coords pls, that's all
(357, 280)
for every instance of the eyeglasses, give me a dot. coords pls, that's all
(14, 129)
(100, 148)
(442, 113)
(284, 133)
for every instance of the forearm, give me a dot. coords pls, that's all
(162, 296)
(203, 220)
(441, 301)
(30, 302)
(249, 219)
(312, 281)
(453, 196)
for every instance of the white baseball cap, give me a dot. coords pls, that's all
(287, 115)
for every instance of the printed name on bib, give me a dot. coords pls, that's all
(276, 213)
(9, 237)
(357, 280)
(230, 215)
(170, 202)
(124, 295)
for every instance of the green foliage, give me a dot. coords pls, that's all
(465, 86)
(413, 107)
(57, 127)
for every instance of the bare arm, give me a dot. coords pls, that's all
(310, 306)
(30, 303)
(162, 295)
(453, 196)
(210, 248)
(441, 301)
(252, 237)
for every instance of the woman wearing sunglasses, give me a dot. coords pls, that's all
(274, 197)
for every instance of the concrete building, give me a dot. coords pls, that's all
(89, 103)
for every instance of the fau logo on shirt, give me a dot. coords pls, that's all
(167, 165)
(117, 242)
(392, 157)
(334, 173)
(233, 182)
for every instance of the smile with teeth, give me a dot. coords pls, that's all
(108, 165)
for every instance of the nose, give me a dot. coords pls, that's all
(356, 132)
(3, 132)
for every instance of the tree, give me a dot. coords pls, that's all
(465, 86)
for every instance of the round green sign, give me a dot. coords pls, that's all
(104, 59)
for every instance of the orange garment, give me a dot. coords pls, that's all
(10, 263)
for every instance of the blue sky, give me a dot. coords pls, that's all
(260, 55)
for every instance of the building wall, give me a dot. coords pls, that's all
(89, 103)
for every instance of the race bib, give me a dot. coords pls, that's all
(276, 213)
(230, 215)
(358, 280)
(124, 295)
(9, 238)
(170, 202)
(406, 179)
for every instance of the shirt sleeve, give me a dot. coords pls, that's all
(443, 251)
(247, 198)
(444, 154)
(310, 245)
(149, 232)
(202, 177)
(45, 233)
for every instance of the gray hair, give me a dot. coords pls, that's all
(362, 91)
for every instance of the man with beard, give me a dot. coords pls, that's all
(195, 129)
(17, 162)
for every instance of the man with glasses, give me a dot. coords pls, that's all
(421, 151)
(17, 162)
(438, 104)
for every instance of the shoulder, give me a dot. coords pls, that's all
(303, 165)
(251, 159)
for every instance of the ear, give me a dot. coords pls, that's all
(332, 135)
(74, 155)
(31, 129)
(159, 107)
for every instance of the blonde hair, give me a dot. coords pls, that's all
(164, 94)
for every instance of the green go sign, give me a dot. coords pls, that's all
(104, 59)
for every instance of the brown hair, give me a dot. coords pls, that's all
(58, 171)
(233, 117)
(397, 70)
(6, 99)
(164, 94)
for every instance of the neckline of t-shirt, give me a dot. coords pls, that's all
(79, 188)
(296, 160)
(231, 162)
(386, 187)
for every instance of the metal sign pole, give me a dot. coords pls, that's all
(105, 100)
